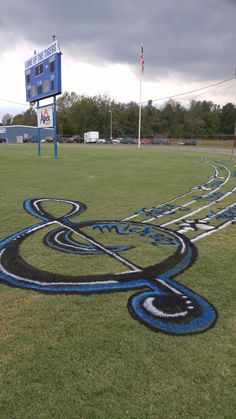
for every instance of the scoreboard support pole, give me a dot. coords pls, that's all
(39, 140)
(55, 126)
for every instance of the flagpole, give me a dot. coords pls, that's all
(140, 95)
(140, 110)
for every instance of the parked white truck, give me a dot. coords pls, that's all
(91, 137)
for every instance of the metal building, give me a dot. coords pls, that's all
(23, 133)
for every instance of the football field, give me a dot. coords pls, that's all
(117, 283)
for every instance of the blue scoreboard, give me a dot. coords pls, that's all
(43, 74)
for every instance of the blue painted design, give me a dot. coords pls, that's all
(198, 198)
(66, 244)
(228, 215)
(118, 227)
(212, 185)
(211, 198)
(165, 209)
(142, 230)
(164, 305)
(183, 209)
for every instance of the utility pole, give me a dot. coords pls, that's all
(111, 124)
(235, 134)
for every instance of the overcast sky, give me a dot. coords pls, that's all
(188, 44)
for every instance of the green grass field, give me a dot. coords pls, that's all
(75, 356)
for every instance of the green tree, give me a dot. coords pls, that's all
(28, 117)
(7, 119)
(172, 119)
(77, 114)
(66, 100)
(210, 114)
(194, 122)
(148, 120)
(227, 119)
(130, 119)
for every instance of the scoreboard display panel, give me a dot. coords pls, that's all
(43, 74)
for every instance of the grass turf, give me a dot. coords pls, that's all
(73, 356)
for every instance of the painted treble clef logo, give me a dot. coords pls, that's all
(160, 302)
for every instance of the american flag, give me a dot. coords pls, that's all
(142, 60)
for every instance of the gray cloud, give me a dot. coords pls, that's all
(194, 39)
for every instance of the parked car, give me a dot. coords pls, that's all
(30, 140)
(188, 141)
(101, 141)
(129, 140)
(69, 140)
(161, 141)
(33, 140)
(116, 140)
(2, 140)
(165, 141)
(47, 140)
(77, 139)
(146, 141)
(60, 139)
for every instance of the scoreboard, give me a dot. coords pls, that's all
(43, 74)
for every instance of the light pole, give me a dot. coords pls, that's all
(234, 143)
(110, 111)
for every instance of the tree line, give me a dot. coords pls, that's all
(77, 114)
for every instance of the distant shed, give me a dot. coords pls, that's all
(23, 133)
